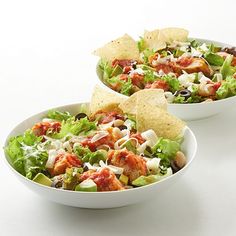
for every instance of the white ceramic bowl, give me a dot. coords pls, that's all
(100, 199)
(194, 111)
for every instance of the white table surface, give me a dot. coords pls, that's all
(46, 61)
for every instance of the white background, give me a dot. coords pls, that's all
(46, 61)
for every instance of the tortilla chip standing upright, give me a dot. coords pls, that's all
(152, 117)
(124, 47)
(155, 97)
(103, 99)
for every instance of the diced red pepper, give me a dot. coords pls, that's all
(216, 85)
(127, 69)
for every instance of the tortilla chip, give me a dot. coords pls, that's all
(153, 40)
(152, 117)
(129, 105)
(157, 39)
(122, 48)
(103, 99)
(154, 97)
(169, 35)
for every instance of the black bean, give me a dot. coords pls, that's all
(184, 93)
(122, 127)
(230, 50)
(80, 116)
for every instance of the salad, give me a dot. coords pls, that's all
(106, 150)
(189, 71)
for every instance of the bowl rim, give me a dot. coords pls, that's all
(6, 158)
(100, 82)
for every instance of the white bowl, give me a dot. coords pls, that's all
(100, 199)
(194, 111)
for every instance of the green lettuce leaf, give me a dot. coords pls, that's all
(149, 76)
(86, 155)
(130, 145)
(179, 99)
(194, 43)
(147, 53)
(227, 69)
(75, 127)
(24, 155)
(214, 59)
(141, 44)
(227, 88)
(106, 69)
(165, 149)
(172, 81)
(58, 115)
(125, 86)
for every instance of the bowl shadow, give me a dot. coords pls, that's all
(176, 210)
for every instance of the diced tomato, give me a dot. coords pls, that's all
(64, 161)
(127, 69)
(105, 180)
(123, 63)
(216, 85)
(42, 128)
(160, 84)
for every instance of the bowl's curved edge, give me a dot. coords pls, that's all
(101, 83)
(120, 193)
